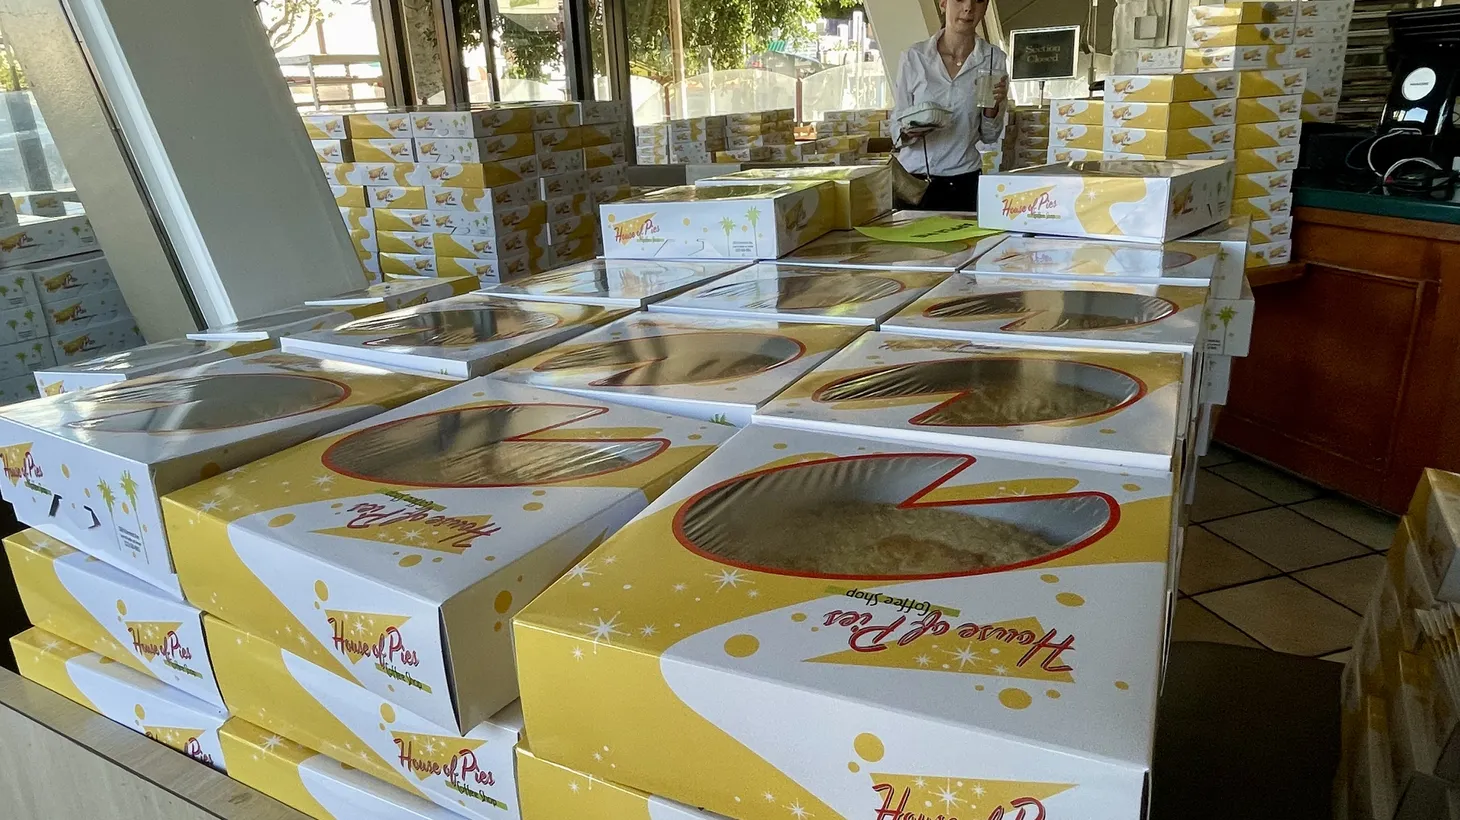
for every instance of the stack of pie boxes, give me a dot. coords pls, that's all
(492, 192)
(59, 302)
(1076, 130)
(842, 137)
(1401, 684)
(1027, 138)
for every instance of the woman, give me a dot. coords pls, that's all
(945, 69)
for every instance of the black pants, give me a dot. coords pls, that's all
(955, 193)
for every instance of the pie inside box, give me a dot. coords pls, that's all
(930, 623)
(632, 283)
(802, 293)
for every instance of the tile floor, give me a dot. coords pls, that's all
(1274, 561)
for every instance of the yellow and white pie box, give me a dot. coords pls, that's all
(1048, 257)
(1434, 515)
(862, 192)
(1126, 199)
(1266, 160)
(376, 552)
(834, 585)
(1239, 58)
(380, 149)
(799, 293)
(1071, 155)
(1115, 407)
(312, 783)
(1077, 136)
(1271, 230)
(477, 122)
(379, 124)
(1269, 253)
(1277, 206)
(629, 283)
(322, 126)
(401, 292)
(1168, 88)
(1166, 116)
(719, 222)
(407, 264)
(122, 694)
(1242, 34)
(451, 150)
(716, 368)
(481, 174)
(1243, 13)
(1328, 10)
(1077, 112)
(284, 322)
(1157, 144)
(147, 360)
(88, 467)
(405, 242)
(548, 790)
(1269, 134)
(1275, 82)
(74, 596)
(853, 249)
(469, 773)
(1059, 312)
(1269, 109)
(1229, 323)
(459, 337)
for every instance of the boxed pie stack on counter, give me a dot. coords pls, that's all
(1401, 684)
(842, 137)
(1322, 28)
(691, 141)
(1076, 132)
(863, 193)
(96, 575)
(59, 303)
(749, 221)
(1027, 137)
(345, 584)
(493, 191)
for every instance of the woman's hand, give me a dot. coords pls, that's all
(1001, 93)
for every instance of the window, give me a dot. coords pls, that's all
(328, 50)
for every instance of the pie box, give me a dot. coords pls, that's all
(1205, 85)
(1271, 230)
(1058, 312)
(549, 790)
(401, 292)
(312, 783)
(23, 359)
(852, 249)
(1269, 109)
(396, 535)
(1127, 199)
(407, 264)
(1265, 184)
(18, 287)
(1269, 253)
(396, 196)
(469, 773)
(1244, 34)
(1072, 155)
(1275, 82)
(87, 467)
(1230, 238)
(118, 692)
(628, 283)
(1245, 13)
(715, 368)
(1077, 136)
(1176, 115)
(863, 192)
(147, 360)
(379, 124)
(451, 150)
(460, 337)
(718, 222)
(973, 694)
(1278, 206)
(284, 322)
(76, 597)
(380, 149)
(1240, 58)
(478, 122)
(800, 293)
(1076, 112)
(1051, 257)
(1120, 407)
(322, 126)
(481, 174)
(1175, 143)
(1434, 516)
(349, 196)
(332, 151)
(401, 219)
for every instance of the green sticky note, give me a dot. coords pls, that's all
(928, 229)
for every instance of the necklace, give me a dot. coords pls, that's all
(951, 55)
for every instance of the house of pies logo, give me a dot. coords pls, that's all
(19, 464)
(640, 228)
(360, 635)
(159, 639)
(452, 759)
(924, 797)
(1038, 203)
(184, 740)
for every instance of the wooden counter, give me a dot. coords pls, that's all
(1354, 375)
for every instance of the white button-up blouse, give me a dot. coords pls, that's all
(922, 78)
